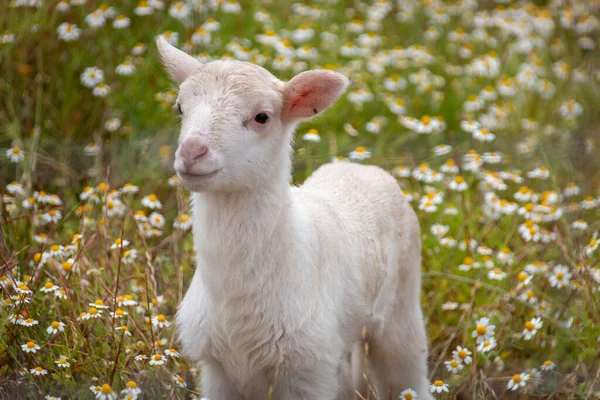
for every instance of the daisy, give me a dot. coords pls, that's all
(30, 347)
(160, 321)
(157, 220)
(183, 222)
(119, 244)
(68, 32)
(29, 322)
(548, 365)
(143, 8)
(121, 22)
(125, 69)
(103, 392)
(173, 181)
(172, 353)
(99, 304)
(312, 136)
(592, 245)
(129, 256)
(531, 328)
(453, 366)
(360, 154)
(60, 294)
(131, 390)
(55, 327)
(518, 381)
(15, 154)
(408, 394)
(496, 274)
(442, 149)
(483, 330)
(560, 277)
(52, 216)
(458, 184)
(152, 202)
(157, 359)
(126, 300)
(38, 371)
(439, 230)
(62, 362)
(449, 306)
(179, 381)
(101, 90)
(125, 330)
(487, 345)
(463, 355)
(467, 264)
(438, 387)
(49, 287)
(129, 188)
(483, 135)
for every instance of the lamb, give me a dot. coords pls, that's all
(290, 280)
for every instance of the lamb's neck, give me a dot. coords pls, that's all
(233, 230)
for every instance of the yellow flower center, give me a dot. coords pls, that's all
(438, 383)
(408, 396)
(62, 361)
(454, 363)
(481, 330)
(529, 325)
(517, 378)
(99, 302)
(131, 385)
(360, 149)
(106, 389)
(529, 294)
(157, 357)
(559, 275)
(54, 247)
(522, 276)
(67, 266)
(93, 311)
(119, 312)
(547, 363)
(161, 318)
(152, 197)
(468, 261)
(49, 285)
(30, 345)
(55, 324)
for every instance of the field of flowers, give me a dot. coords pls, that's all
(486, 112)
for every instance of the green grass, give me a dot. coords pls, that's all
(51, 117)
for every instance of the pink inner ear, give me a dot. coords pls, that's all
(312, 92)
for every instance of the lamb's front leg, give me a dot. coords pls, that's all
(216, 385)
(317, 380)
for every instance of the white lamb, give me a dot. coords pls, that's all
(288, 277)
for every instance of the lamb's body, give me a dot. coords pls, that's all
(294, 271)
(302, 270)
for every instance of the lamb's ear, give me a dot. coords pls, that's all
(310, 93)
(178, 64)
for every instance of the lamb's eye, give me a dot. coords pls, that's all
(179, 108)
(261, 118)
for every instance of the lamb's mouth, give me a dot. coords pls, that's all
(185, 176)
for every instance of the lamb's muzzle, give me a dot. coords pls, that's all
(288, 278)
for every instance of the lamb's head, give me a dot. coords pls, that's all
(237, 119)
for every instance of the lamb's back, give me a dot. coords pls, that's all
(361, 210)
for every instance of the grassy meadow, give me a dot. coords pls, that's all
(487, 112)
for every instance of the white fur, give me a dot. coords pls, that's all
(288, 277)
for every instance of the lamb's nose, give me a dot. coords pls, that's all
(192, 150)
